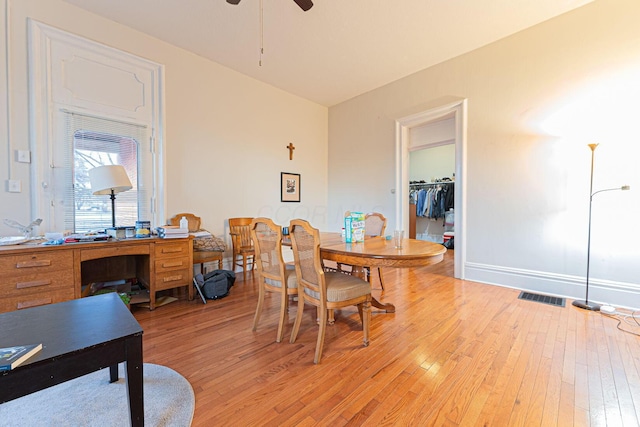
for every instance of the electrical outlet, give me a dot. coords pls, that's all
(15, 186)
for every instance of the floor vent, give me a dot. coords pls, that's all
(545, 299)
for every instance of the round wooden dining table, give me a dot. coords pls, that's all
(380, 252)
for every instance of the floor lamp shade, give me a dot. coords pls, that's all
(109, 179)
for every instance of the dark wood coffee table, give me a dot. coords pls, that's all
(78, 337)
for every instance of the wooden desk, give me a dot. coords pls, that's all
(78, 337)
(379, 252)
(33, 275)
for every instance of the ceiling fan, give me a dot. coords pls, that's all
(304, 4)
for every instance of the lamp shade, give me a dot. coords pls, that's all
(103, 179)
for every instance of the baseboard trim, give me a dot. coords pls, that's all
(619, 294)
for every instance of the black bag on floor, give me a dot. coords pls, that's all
(216, 284)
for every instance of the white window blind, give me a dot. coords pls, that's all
(94, 141)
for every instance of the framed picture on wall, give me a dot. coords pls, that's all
(289, 187)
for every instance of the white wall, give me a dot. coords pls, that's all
(535, 100)
(225, 133)
(429, 164)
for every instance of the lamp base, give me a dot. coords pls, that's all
(587, 305)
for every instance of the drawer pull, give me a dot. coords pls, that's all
(172, 250)
(33, 303)
(172, 278)
(29, 264)
(23, 285)
(172, 264)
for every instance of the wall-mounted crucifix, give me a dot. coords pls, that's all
(291, 148)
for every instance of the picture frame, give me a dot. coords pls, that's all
(289, 187)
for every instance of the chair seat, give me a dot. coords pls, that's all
(206, 256)
(342, 287)
(290, 276)
(202, 257)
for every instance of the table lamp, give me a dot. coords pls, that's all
(109, 179)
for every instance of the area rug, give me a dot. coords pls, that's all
(92, 401)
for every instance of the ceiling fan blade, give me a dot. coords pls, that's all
(233, 1)
(304, 4)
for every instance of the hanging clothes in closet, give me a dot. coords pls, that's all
(433, 200)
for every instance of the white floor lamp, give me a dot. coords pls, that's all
(586, 304)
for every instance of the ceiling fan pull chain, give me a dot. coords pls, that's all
(261, 34)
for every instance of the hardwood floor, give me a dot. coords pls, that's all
(454, 353)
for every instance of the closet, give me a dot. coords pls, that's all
(431, 210)
(432, 181)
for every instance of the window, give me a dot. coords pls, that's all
(91, 149)
(93, 105)
(90, 142)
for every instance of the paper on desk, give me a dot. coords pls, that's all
(201, 234)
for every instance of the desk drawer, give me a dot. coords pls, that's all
(34, 299)
(173, 263)
(113, 251)
(41, 262)
(36, 282)
(172, 279)
(172, 249)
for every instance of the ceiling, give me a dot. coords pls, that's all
(339, 48)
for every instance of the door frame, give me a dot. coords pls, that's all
(458, 110)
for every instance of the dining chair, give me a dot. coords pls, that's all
(325, 290)
(273, 274)
(243, 250)
(199, 256)
(374, 225)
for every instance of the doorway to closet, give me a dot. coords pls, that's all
(426, 129)
(432, 162)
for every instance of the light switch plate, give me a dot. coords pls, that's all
(24, 156)
(15, 186)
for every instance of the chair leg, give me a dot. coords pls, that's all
(244, 268)
(296, 324)
(284, 301)
(366, 320)
(234, 263)
(380, 276)
(321, 333)
(256, 317)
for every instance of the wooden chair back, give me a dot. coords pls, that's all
(267, 240)
(305, 241)
(374, 224)
(194, 221)
(240, 230)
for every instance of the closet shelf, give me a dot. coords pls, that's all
(422, 184)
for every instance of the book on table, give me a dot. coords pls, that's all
(12, 357)
(172, 231)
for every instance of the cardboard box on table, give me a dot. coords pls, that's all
(354, 227)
